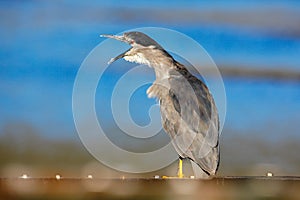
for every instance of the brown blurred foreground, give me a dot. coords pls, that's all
(140, 188)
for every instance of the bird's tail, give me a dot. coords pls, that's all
(198, 172)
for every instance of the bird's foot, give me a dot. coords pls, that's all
(173, 177)
(179, 174)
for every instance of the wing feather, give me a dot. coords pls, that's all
(198, 131)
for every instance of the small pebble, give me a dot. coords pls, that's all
(57, 176)
(270, 174)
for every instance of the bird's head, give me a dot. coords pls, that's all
(141, 50)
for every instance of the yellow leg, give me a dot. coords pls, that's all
(180, 174)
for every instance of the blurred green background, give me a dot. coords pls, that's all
(44, 42)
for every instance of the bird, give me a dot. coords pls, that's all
(188, 111)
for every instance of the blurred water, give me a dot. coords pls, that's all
(43, 44)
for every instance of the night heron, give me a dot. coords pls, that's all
(189, 114)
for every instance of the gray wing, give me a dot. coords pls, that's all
(193, 121)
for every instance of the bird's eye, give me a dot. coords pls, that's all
(132, 42)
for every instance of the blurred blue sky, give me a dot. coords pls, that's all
(44, 42)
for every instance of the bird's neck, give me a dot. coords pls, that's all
(161, 73)
(164, 69)
(161, 86)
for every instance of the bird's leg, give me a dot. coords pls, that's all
(180, 174)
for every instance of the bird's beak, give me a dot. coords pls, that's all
(116, 37)
(120, 38)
